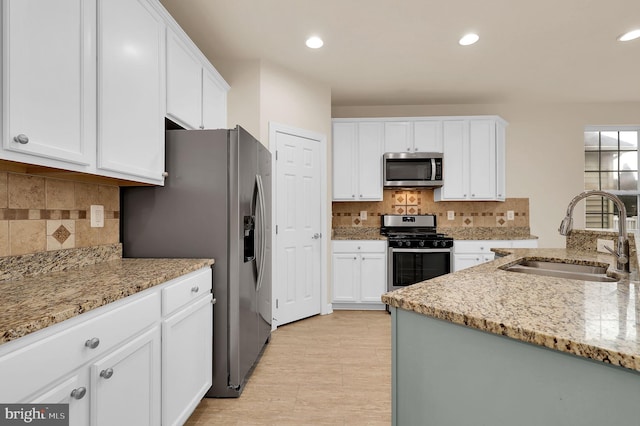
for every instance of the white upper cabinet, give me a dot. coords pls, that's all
(184, 84)
(48, 67)
(398, 136)
(196, 94)
(357, 161)
(427, 136)
(85, 86)
(413, 135)
(214, 100)
(131, 90)
(473, 167)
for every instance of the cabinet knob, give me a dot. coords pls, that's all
(353, 196)
(165, 174)
(355, 258)
(107, 373)
(201, 127)
(195, 289)
(79, 393)
(473, 195)
(315, 236)
(92, 343)
(23, 139)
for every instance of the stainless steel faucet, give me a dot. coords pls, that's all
(622, 251)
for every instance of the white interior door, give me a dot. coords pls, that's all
(298, 273)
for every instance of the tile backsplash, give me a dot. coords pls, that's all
(465, 214)
(39, 214)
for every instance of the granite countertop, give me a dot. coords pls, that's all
(35, 302)
(595, 320)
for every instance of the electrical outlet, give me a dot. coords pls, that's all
(605, 243)
(363, 215)
(451, 215)
(97, 216)
(510, 215)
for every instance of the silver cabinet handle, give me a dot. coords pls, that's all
(79, 393)
(195, 289)
(92, 343)
(107, 373)
(23, 139)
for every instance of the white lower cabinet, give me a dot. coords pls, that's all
(468, 253)
(187, 360)
(359, 274)
(125, 385)
(143, 360)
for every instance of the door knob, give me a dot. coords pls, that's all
(316, 236)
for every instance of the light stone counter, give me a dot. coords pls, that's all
(599, 321)
(35, 302)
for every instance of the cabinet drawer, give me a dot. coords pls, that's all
(479, 246)
(357, 246)
(65, 346)
(185, 289)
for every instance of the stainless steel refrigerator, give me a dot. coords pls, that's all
(216, 203)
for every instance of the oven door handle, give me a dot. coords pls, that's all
(419, 250)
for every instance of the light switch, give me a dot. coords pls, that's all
(97, 216)
(451, 215)
(363, 215)
(510, 215)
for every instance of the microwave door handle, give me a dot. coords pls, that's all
(433, 169)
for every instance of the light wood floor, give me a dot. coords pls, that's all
(325, 370)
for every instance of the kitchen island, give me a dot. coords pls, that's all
(485, 346)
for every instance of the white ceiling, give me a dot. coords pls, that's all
(405, 52)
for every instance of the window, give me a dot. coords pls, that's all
(611, 164)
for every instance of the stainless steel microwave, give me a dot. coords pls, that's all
(412, 169)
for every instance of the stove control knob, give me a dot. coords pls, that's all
(421, 243)
(399, 243)
(407, 243)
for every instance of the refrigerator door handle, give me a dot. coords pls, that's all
(261, 231)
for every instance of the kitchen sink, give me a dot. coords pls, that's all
(561, 270)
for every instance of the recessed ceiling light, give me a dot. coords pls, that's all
(631, 35)
(468, 39)
(314, 42)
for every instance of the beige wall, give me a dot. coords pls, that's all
(545, 159)
(262, 92)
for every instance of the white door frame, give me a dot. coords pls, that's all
(274, 128)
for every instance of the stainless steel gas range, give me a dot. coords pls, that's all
(416, 251)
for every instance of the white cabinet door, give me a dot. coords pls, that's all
(214, 102)
(456, 157)
(72, 391)
(427, 136)
(49, 82)
(184, 84)
(373, 276)
(370, 150)
(482, 159)
(125, 385)
(501, 163)
(397, 136)
(131, 90)
(344, 168)
(187, 360)
(345, 277)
